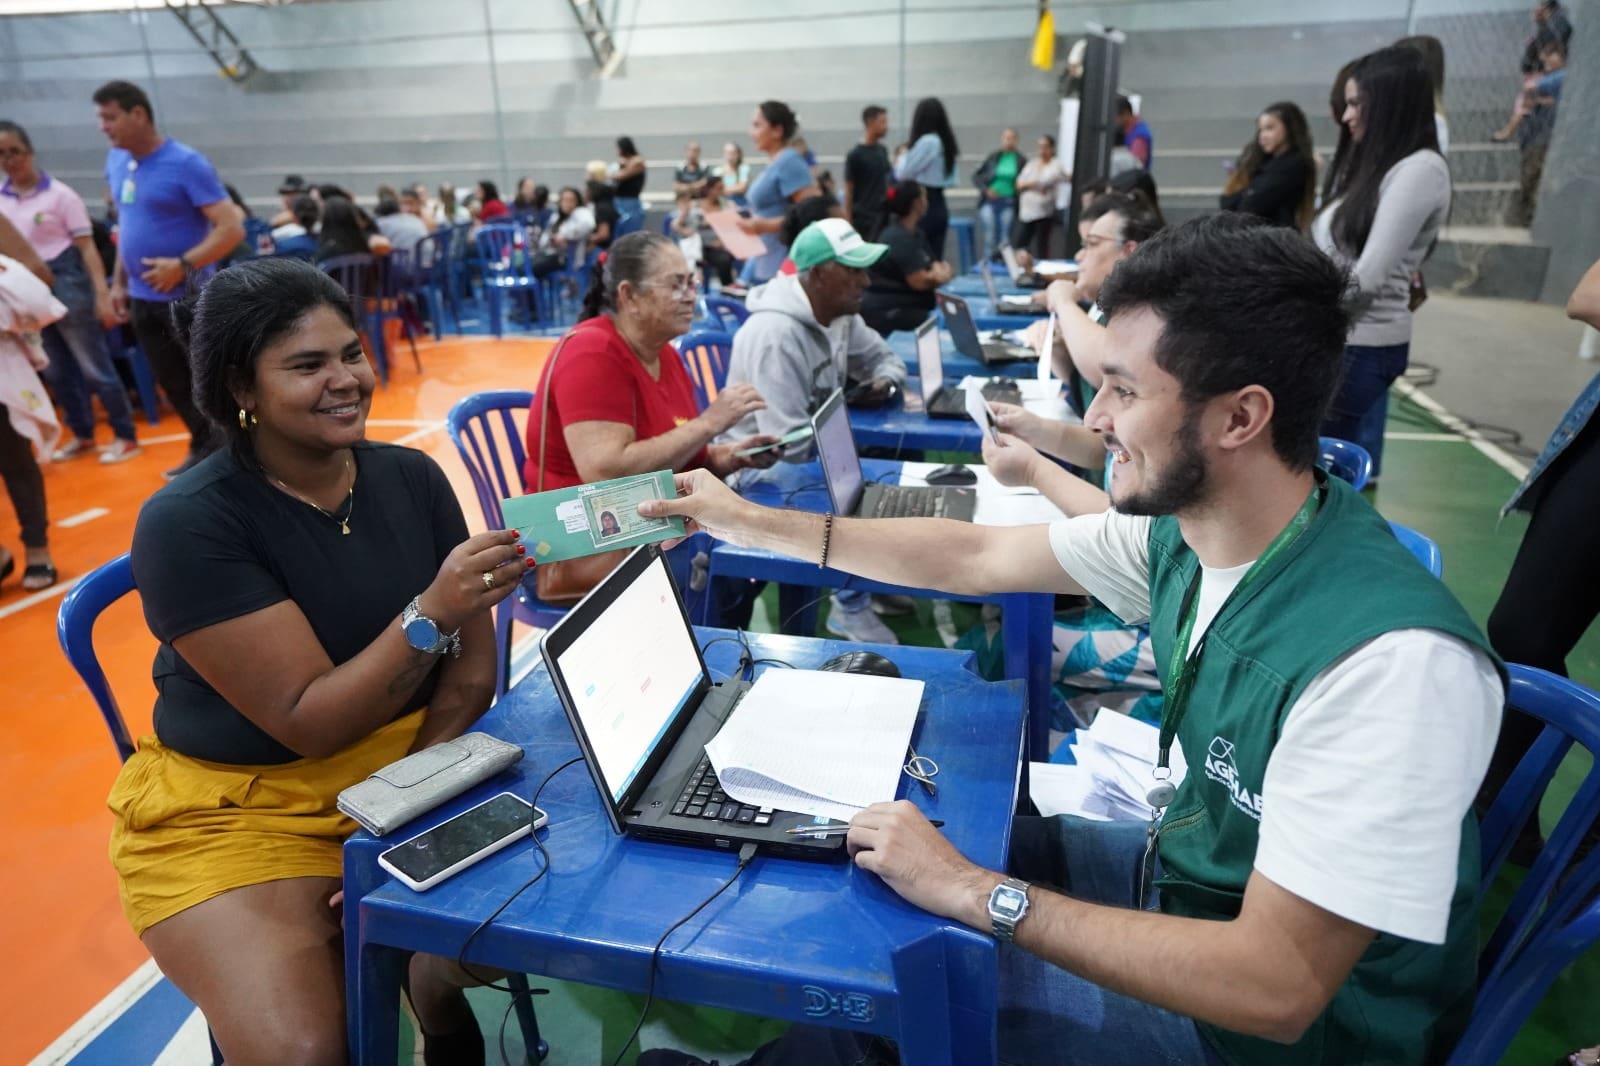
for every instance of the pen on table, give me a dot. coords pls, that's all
(835, 830)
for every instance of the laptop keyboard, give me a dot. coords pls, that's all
(703, 797)
(898, 501)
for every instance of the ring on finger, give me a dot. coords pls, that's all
(488, 580)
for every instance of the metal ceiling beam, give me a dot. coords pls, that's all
(213, 35)
(598, 34)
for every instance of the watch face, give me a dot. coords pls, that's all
(1008, 902)
(422, 634)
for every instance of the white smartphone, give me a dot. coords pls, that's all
(453, 845)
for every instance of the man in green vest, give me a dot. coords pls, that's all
(1311, 894)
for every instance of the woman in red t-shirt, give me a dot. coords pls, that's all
(620, 400)
(491, 208)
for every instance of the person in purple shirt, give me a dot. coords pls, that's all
(176, 220)
(1136, 135)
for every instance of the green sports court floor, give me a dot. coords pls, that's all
(1434, 481)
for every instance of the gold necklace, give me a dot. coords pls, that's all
(350, 496)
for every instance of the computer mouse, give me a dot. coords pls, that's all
(954, 474)
(861, 662)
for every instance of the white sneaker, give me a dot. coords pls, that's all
(860, 626)
(119, 451)
(887, 605)
(72, 449)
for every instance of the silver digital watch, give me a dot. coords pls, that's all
(1008, 905)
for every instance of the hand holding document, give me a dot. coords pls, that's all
(1046, 352)
(584, 519)
(794, 436)
(978, 409)
(740, 245)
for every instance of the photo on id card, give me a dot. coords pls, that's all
(613, 510)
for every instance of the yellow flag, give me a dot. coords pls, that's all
(1044, 41)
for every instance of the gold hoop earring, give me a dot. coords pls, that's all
(246, 420)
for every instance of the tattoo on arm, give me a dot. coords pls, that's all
(407, 680)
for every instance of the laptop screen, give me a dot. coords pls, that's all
(836, 450)
(958, 320)
(930, 360)
(1009, 255)
(629, 669)
(988, 283)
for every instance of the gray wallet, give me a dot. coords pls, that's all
(424, 779)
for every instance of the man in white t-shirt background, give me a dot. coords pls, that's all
(1312, 895)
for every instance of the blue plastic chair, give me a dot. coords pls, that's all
(1345, 460)
(485, 433)
(966, 244)
(630, 217)
(358, 276)
(258, 234)
(1551, 920)
(506, 254)
(430, 261)
(724, 312)
(81, 607)
(706, 354)
(1426, 551)
(397, 283)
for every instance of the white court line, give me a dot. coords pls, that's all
(191, 1044)
(81, 517)
(58, 589)
(101, 1015)
(412, 422)
(1437, 438)
(429, 428)
(1493, 452)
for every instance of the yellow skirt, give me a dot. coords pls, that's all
(188, 830)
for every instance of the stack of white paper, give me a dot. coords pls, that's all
(823, 744)
(1114, 773)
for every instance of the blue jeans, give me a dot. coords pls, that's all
(80, 362)
(995, 218)
(1361, 407)
(1050, 1015)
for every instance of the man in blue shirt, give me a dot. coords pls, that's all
(1136, 136)
(1533, 135)
(176, 220)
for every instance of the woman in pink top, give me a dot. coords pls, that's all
(51, 217)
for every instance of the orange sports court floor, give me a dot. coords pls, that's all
(65, 933)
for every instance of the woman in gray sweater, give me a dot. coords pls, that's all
(1387, 195)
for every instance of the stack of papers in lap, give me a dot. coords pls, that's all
(824, 744)
(1114, 772)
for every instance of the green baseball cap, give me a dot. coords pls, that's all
(833, 240)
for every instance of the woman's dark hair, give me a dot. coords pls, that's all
(490, 191)
(1298, 132)
(1097, 188)
(597, 191)
(779, 114)
(7, 126)
(1397, 113)
(238, 200)
(1431, 49)
(625, 146)
(929, 117)
(1048, 139)
(239, 313)
(1276, 318)
(341, 224)
(628, 259)
(561, 216)
(329, 190)
(901, 198)
(800, 215)
(386, 207)
(1136, 181)
(738, 153)
(541, 197)
(306, 211)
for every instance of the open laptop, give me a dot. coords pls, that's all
(958, 320)
(941, 402)
(849, 491)
(1022, 279)
(642, 706)
(1011, 303)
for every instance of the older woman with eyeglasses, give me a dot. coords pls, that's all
(615, 398)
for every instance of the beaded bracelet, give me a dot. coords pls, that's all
(827, 537)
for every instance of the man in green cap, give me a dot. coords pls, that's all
(804, 339)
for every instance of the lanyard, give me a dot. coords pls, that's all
(1184, 668)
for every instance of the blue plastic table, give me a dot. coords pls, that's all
(984, 316)
(956, 365)
(1025, 618)
(900, 425)
(824, 943)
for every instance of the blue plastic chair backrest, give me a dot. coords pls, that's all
(505, 250)
(630, 219)
(1426, 551)
(432, 257)
(706, 354)
(1346, 460)
(484, 431)
(727, 313)
(1546, 927)
(258, 232)
(356, 274)
(75, 630)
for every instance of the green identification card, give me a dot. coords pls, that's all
(802, 433)
(573, 522)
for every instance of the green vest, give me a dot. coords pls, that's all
(1342, 582)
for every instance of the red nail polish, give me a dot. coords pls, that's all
(522, 549)
(515, 533)
(530, 564)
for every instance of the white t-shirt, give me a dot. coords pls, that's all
(1378, 761)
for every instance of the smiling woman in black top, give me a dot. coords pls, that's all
(1276, 176)
(277, 575)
